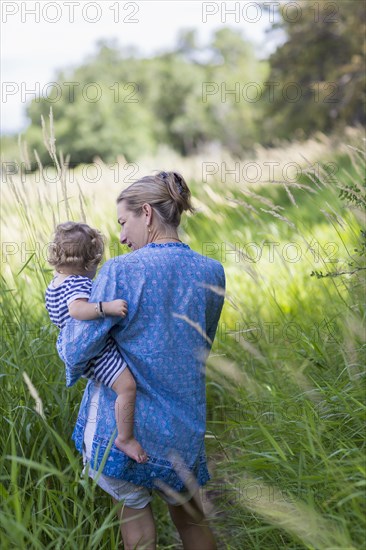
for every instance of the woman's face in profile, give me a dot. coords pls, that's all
(134, 231)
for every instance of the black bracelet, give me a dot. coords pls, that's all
(101, 312)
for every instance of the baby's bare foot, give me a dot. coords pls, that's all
(131, 448)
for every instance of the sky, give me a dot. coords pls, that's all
(40, 38)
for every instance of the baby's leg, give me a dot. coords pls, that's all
(125, 387)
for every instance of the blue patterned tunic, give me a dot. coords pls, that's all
(175, 297)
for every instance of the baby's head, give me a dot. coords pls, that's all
(76, 247)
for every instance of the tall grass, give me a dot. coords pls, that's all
(285, 389)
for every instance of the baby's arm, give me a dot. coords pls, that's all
(82, 310)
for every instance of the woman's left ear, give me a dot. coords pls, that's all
(147, 211)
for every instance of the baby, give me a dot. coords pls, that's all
(75, 254)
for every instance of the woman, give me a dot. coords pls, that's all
(175, 297)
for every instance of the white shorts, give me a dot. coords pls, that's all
(134, 496)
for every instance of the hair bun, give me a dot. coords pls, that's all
(167, 193)
(179, 182)
(174, 178)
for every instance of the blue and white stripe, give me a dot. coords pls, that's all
(108, 364)
(59, 298)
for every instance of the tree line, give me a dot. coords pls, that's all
(119, 103)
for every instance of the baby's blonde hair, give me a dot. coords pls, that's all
(76, 245)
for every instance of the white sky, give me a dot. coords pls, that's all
(64, 35)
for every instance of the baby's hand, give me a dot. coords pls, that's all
(116, 308)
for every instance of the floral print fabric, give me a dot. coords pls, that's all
(175, 297)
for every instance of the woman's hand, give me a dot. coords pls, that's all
(116, 308)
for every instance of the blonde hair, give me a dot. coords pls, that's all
(76, 245)
(166, 192)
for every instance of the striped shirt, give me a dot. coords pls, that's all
(108, 364)
(58, 298)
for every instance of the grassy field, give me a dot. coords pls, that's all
(285, 380)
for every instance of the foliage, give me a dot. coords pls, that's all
(122, 105)
(119, 104)
(285, 378)
(324, 57)
(354, 193)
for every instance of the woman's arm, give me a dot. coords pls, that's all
(216, 297)
(83, 340)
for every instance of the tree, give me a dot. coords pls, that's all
(318, 73)
(120, 104)
(101, 114)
